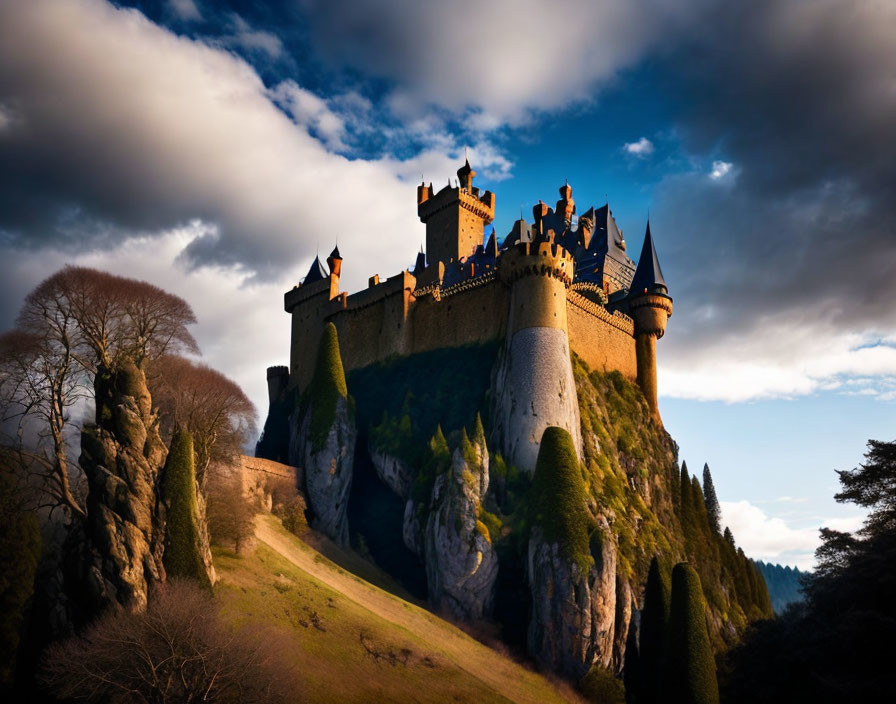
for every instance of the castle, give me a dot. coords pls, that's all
(549, 288)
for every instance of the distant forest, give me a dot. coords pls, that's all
(784, 584)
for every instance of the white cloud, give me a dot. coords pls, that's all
(642, 148)
(309, 110)
(472, 55)
(720, 169)
(185, 10)
(241, 330)
(151, 130)
(777, 357)
(773, 539)
(253, 39)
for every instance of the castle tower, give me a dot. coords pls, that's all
(650, 307)
(334, 261)
(566, 206)
(455, 217)
(278, 380)
(534, 383)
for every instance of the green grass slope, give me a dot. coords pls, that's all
(354, 642)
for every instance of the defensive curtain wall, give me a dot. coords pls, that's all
(396, 317)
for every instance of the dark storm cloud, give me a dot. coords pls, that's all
(111, 126)
(801, 97)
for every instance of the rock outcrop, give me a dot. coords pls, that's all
(573, 608)
(461, 564)
(322, 441)
(122, 455)
(327, 469)
(394, 472)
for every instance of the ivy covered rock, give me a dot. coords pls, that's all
(322, 441)
(461, 562)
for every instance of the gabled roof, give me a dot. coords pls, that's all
(316, 272)
(648, 275)
(520, 232)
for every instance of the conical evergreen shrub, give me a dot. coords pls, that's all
(558, 502)
(183, 557)
(689, 673)
(654, 622)
(327, 387)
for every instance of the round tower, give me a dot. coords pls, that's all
(650, 306)
(278, 379)
(534, 386)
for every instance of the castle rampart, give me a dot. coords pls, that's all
(464, 292)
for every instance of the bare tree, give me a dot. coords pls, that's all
(72, 324)
(178, 650)
(230, 512)
(215, 410)
(114, 318)
(40, 381)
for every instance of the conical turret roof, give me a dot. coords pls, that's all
(316, 272)
(648, 275)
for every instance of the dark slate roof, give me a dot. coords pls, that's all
(648, 275)
(316, 272)
(604, 253)
(420, 264)
(491, 247)
(520, 232)
(335, 253)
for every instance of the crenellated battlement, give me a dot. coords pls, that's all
(578, 283)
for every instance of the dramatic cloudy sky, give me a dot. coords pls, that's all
(213, 148)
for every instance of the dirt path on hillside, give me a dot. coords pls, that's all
(477, 659)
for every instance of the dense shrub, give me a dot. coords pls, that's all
(601, 687)
(326, 388)
(230, 514)
(178, 650)
(20, 549)
(689, 675)
(557, 500)
(183, 557)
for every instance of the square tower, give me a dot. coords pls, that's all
(455, 217)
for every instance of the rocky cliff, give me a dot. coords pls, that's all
(122, 455)
(322, 441)
(564, 550)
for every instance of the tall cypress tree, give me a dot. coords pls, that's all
(654, 620)
(689, 673)
(712, 501)
(183, 555)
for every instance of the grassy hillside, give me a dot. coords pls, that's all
(354, 642)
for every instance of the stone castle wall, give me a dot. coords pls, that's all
(387, 320)
(605, 341)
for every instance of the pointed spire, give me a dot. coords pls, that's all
(316, 272)
(491, 247)
(648, 276)
(420, 264)
(334, 261)
(465, 174)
